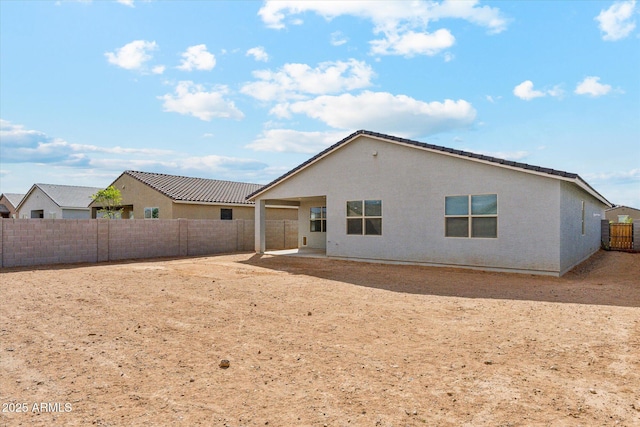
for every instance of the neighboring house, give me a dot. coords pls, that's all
(57, 202)
(381, 198)
(621, 213)
(8, 203)
(160, 196)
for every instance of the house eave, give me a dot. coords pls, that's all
(488, 160)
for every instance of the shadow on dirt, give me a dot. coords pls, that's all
(607, 278)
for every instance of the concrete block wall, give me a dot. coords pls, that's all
(27, 242)
(604, 232)
(248, 236)
(281, 234)
(139, 238)
(103, 240)
(210, 237)
(636, 235)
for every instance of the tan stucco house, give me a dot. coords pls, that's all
(149, 195)
(54, 201)
(8, 203)
(377, 197)
(622, 214)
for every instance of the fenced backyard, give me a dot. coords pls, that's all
(621, 236)
(316, 341)
(27, 242)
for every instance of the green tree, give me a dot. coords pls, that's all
(109, 201)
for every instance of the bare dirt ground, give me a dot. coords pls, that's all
(315, 342)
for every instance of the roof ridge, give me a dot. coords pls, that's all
(446, 150)
(190, 177)
(195, 189)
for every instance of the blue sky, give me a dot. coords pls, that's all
(246, 90)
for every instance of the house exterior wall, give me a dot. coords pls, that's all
(576, 246)
(195, 211)
(412, 184)
(142, 196)
(12, 209)
(612, 214)
(76, 213)
(139, 195)
(38, 200)
(315, 240)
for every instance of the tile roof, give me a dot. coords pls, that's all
(69, 195)
(458, 153)
(182, 188)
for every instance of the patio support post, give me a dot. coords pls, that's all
(261, 226)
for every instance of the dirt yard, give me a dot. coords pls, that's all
(318, 342)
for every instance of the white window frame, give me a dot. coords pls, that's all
(583, 217)
(471, 216)
(322, 219)
(150, 211)
(363, 217)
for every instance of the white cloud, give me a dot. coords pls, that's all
(126, 2)
(287, 140)
(338, 38)
(556, 91)
(617, 22)
(525, 91)
(132, 56)
(20, 145)
(412, 43)
(296, 81)
(591, 86)
(403, 23)
(193, 99)
(394, 114)
(632, 175)
(158, 69)
(258, 53)
(197, 58)
(219, 163)
(385, 14)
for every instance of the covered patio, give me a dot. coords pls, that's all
(312, 224)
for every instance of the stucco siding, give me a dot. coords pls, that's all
(202, 211)
(316, 239)
(38, 200)
(76, 214)
(575, 246)
(142, 196)
(612, 214)
(412, 184)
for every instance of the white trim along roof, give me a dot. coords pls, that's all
(480, 158)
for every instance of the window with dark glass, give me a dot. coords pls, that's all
(471, 216)
(151, 213)
(226, 213)
(318, 219)
(364, 217)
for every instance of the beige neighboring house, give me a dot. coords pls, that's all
(8, 203)
(382, 198)
(148, 195)
(54, 201)
(622, 214)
